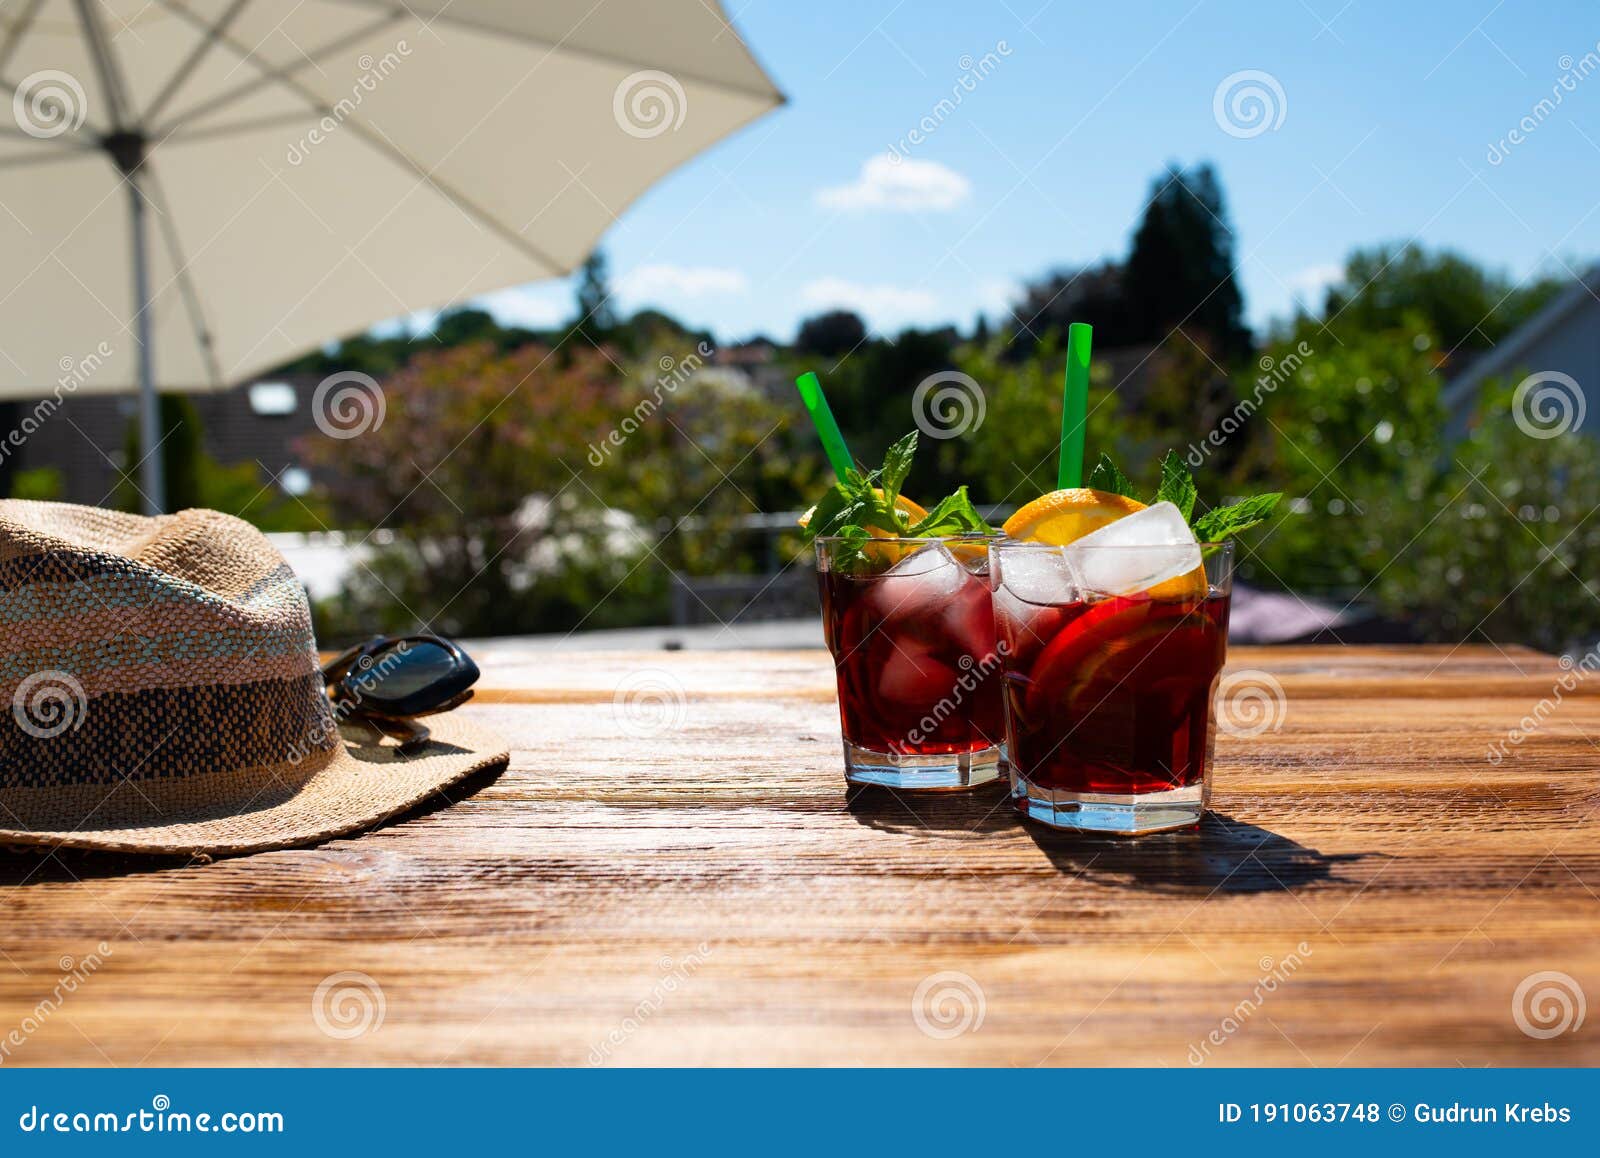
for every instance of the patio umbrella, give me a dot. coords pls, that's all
(193, 191)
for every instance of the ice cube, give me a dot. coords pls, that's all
(918, 585)
(1038, 575)
(928, 559)
(1134, 553)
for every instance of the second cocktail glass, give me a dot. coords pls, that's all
(1109, 699)
(910, 623)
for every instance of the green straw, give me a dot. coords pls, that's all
(1074, 406)
(827, 429)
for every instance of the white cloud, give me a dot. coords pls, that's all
(997, 296)
(900, 185)
(1311, 283)
(668, 282)
(881, 305)
(539, 307)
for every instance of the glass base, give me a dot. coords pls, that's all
(1117, 815)
(947, 772)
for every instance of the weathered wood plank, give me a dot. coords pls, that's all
(711, 893)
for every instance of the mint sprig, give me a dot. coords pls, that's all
(1225, 522)
(1177, 487)
(853, 505)
(952, 515)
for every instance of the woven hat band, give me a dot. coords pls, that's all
(116, 670)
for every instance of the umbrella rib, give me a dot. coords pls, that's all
(191, 299)
(234, 128)
(191, 62)
(46, 158)
(378, 141)
(105, 63)
(18, 31)
(269, 74)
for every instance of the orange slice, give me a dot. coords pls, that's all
(1063, 517)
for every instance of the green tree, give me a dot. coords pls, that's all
(458, 327)
(1012, 457)
(1180, 270)
(180, 451)
(1506, 552)
(596, 316)
(831, 335)
(707, 452)
(1352, 434)
(475, 470)
(1096, 294)
(1467, 306)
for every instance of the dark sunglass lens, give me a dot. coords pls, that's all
(402, 671)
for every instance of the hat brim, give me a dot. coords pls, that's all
(365, 783)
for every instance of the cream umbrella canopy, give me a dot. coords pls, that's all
(193, 191)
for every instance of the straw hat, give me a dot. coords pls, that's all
(159, 692)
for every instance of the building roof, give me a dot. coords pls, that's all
(1514, 348)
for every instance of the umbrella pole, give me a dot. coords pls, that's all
(152, 485)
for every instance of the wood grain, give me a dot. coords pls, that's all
(711, 894)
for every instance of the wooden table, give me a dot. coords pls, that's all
(1371, 891)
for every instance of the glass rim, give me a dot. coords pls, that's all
(966, 536)
(1007, 544)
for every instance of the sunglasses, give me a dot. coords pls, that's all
(388, 681)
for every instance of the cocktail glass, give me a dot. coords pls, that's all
(1109, 722)
(911, 627)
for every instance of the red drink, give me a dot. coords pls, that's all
(1109, 704)
(912, 633)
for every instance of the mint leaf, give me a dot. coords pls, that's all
(952, 515)
(1107, 476)
(1177, 484)
(827, 511)
(896, 466)
(1224, 522)
(854, 500)
(850, 555)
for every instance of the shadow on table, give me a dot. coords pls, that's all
(1220, 855)
(24, 866)
(967, 813)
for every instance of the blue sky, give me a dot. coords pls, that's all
(1383, 131)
